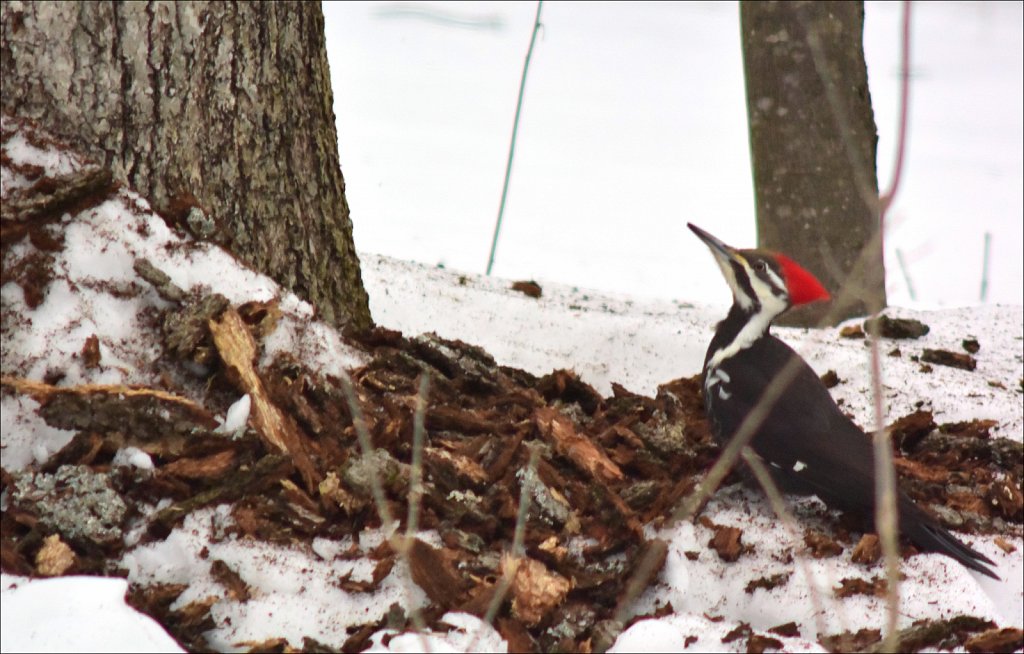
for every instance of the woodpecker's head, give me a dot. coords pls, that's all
(763, 281)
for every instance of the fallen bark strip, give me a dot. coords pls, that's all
(266, 472)
(588, 457)
(238, 351)
(47, 197)
(92, 402)
(42, 391)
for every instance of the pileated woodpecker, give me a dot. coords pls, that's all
(810, 447)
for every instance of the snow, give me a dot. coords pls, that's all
(27, 438)
(75, 614)
(297, 593)
(133, 457)
(567, 190)
(237, 416)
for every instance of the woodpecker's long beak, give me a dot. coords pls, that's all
(722, 252)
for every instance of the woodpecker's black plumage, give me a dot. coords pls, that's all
(808, 444)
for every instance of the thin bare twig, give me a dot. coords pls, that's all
(901, 133)
(400, 545)
(416, 477)
(764, 479)
(886, 514)
(518, 550)
(415, 494)
(366, 447)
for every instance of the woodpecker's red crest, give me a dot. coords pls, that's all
(803, 286)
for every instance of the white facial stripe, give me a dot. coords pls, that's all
(730, 278)
(765, 292)
(776, 279)
(724, 394)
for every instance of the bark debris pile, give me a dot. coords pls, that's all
(605, 467)
(143, 458)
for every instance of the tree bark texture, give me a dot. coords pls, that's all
(813, 143)
(224, 107)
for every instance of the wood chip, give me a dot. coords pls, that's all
(756, 643)
(54, 558)
(1007, 500)
(560, 432)
(726, 542)
(947, 358)
(433, 571)
(1005, 545)
(851, 586)
(909, 430)
(821, 544)
(238, 351)
(868, 550)
(767, 583)
(1008, 639)
(536, 591)
(830, 379)
(516, 635)
(528, 288)
(91, 352)
(789, 630)
(850, 641)
(213, 466)
(852, 331)
(237, 588)
(156, 402)
(896, 327)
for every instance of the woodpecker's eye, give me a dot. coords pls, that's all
(760, 266)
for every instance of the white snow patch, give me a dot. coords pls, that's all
(133, 457)
(237, 416)
(76, 614)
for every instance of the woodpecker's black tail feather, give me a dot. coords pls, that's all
(932, 537)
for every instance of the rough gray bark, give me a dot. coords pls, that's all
(813, 142)
(224, 106)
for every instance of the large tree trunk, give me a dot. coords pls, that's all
(224, 106)
(813, 142)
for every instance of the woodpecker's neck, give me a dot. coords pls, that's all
(741, 329)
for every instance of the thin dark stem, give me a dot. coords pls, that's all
(984, 267)
(906, 274)
(512, 145)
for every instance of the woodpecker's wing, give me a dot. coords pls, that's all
(804, 434)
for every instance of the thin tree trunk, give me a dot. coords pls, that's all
(813, 143)
(221, 107)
